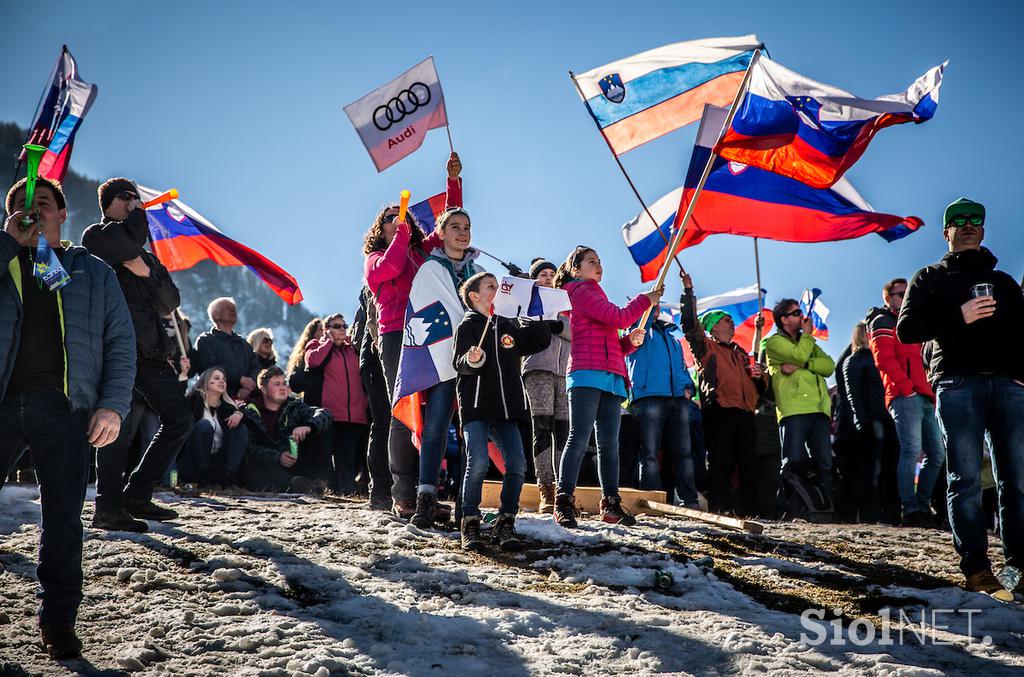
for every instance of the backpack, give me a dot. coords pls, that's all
(802, 497)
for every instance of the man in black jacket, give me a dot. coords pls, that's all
(975, 316)
(276, 419)
(122, 492)
(222, 347)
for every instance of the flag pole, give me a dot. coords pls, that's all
(759, 323)
(629, 180)
(704, 178)
(448, 128)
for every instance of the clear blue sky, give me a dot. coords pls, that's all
(238, 104)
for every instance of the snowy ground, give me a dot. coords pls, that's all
(245, 585)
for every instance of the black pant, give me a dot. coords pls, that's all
(60, 451)
(347, 444)
(380, 423)
(731, 436)
(403, 457)
(200, 464)
(156, 385)
(267, 474)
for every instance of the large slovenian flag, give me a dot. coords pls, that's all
(815, 308)
(642, 97)
(393, 120)
(182, 237)
(428, 347)
(813, 132)
(65, 101)
(742, 200)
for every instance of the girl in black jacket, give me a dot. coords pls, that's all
(492, 400)
(216, 447)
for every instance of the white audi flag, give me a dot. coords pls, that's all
(393, 120)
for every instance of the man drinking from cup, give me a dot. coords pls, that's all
(975, 316)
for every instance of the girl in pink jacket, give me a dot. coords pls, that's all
(597, 381)
(394, 252)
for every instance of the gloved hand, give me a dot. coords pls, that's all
(514, 270)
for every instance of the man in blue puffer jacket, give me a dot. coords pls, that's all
(660, 402)
(67, 365)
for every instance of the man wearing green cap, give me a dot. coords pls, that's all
(974, 315)
(730, 384)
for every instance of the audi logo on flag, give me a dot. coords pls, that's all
(406, 102)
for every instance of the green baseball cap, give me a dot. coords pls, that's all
(962, 207)
(709, 319)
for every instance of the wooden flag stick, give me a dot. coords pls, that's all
(703, 180)
(701, 516)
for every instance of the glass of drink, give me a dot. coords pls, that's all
(982, 289)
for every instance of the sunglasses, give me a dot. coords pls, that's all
(127, 196)
(388, 218)
(794, 313)
(961, 221)
(337, 326)
(268, 340)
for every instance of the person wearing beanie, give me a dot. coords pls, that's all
(730, 383)
(119, 239)
(544, 378)
(974, 316)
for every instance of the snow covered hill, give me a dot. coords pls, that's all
(255, 585)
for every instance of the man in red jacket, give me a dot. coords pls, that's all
(911, 403)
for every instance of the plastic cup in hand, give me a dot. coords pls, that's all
(982, 289)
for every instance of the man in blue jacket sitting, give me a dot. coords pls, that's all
(661, 393)
(67, 365)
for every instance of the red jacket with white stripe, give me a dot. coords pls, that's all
(900, 364)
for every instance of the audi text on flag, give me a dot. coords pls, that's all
(393, 120)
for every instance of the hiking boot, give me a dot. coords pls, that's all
(986, 582)
(382, 503)
(613, 512)
(60, 640)
(426, 508)
(442, 513)
(917, 520)
(117, 520)
(547, 499)
(565, 511)
(148, 510)
(471, 538)
(404, 508)
(504, 534)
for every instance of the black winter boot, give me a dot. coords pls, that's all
(565, 511)
(426, 507)
(60, 640)
(504, 535)
(471, 538)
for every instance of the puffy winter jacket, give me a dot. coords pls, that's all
(554, 358)
(149, 299)
(197, 403)
(99, 340)
(294, 414)
(595, 322)
(864, 391)
(345, 399)
(389, 273)
(900, 364)
(931, 312)
(230, 352)
(804, 391)
(494, 391)
(657, 368)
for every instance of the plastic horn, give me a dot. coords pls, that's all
(403, 205)
(33, 154)
(172, 194)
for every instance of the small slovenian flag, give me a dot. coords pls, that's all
(427, 212)
(811, 304)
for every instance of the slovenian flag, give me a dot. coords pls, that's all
(648, 240)
(813, 132)
(65, 101)
(433, 312)
(642, 97)
(427, 212)
(811, 304)
(182, 237)
(741, 304)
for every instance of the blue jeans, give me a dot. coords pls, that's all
(664, 422)
(437, 416)
(967, 407)
(60, 452)
(510, 442)
(592, 410)
(917, 431)
(806, 437)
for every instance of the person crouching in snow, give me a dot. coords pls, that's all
(492, 400)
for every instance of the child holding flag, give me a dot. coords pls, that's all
(596, 381)
(492, 400)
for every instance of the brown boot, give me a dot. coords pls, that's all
(547, 499)
(985, 581)
(60, 640)
(565, 511)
